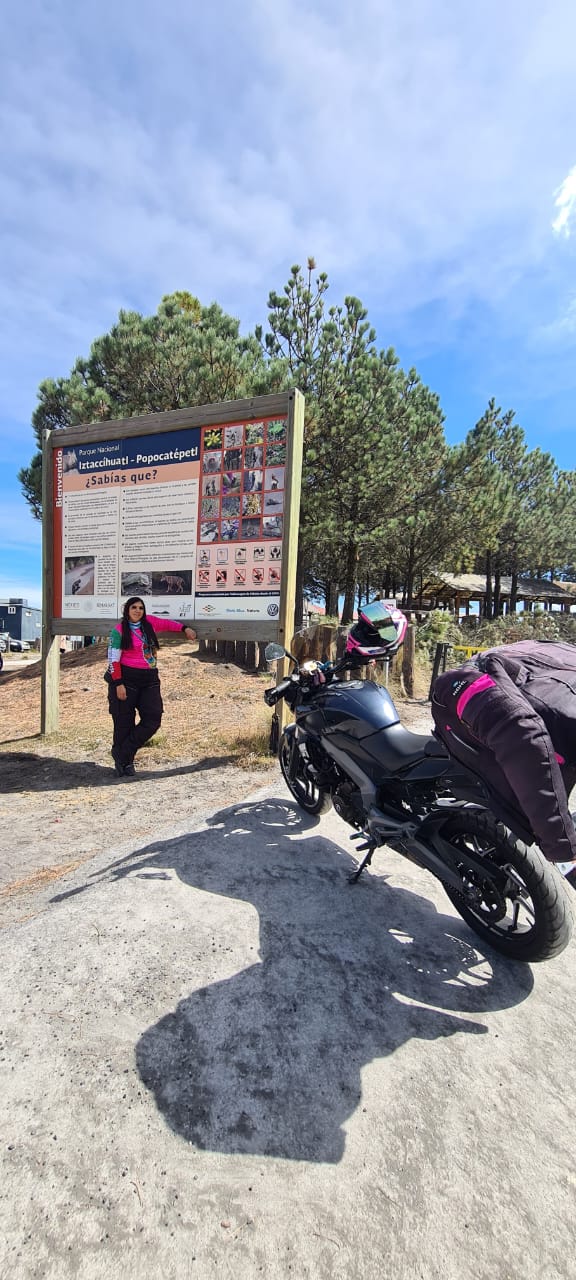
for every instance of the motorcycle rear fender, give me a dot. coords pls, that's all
(431, 831)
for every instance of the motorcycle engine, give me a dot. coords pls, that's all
(347, 802)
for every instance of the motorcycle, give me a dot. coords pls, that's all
(348, 749)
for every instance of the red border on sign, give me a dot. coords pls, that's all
(57, 533)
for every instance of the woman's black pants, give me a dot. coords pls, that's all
(142, 697)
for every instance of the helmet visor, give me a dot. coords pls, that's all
(378, 617)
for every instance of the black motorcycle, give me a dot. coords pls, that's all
(347, 748)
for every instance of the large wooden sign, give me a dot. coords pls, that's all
(195, 510)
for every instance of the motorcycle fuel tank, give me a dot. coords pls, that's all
(355, 707)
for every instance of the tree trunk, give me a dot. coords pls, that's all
(497, 593)
(409, 579)
(331, 599)
(351, 566)
(488, 613)
(513, 592)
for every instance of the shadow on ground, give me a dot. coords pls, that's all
(26, 771)
(268, 1061)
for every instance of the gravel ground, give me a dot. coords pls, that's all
(60, 801)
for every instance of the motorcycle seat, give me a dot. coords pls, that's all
(398, 747)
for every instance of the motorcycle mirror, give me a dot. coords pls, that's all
(273, 652)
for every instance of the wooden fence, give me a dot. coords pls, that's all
(322, 643)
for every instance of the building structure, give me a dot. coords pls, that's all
(21, 621)
(459, 591)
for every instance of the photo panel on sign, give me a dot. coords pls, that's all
(231, 482)
(251, 504)
(273, 503)
(252, 481)
(275, 455)
(276, 430)
(274, 478)
(136, 583)
(255, 433)
(251, 527)
(254, 457)
(212, 438)
(172, 582)
(233, 436)
(272, 527)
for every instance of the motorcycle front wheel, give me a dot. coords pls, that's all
(524, 912)
(309, 796)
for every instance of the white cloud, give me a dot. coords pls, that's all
(565, 203)
(561, 331)
(410, 149)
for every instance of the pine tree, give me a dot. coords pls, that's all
(184, 355)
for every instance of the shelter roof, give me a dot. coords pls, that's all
(473, 585)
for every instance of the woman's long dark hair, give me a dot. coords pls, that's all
(147, 627)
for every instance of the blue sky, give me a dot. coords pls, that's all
(423, 152)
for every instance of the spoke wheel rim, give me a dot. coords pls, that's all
(305, 791)
(507, 909)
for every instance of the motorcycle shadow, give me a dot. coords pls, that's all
(269, 1061)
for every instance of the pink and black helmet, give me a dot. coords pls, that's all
(378, 633)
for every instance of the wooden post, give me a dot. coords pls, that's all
(409, 660)
(50, 671)
(293, 481)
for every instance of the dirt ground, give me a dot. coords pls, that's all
(60, 801)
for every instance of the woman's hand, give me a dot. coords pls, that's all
(121, 692)
(189, 633)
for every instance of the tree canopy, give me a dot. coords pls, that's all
(385, 499)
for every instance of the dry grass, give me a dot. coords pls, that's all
(210, 709)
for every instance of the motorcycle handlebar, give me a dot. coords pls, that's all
(271, 696)
(329, 669)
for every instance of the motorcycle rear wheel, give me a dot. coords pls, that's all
(526, 915)
(310, 797)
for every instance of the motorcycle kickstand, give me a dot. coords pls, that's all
(369, 846)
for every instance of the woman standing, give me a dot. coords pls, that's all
(133, 681)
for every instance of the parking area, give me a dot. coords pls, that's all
(217, 1056)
